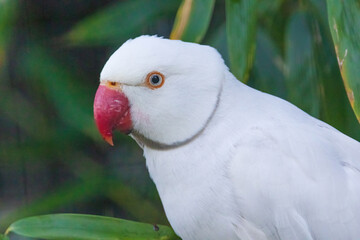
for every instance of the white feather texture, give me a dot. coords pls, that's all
(175, 112)
(251, 166)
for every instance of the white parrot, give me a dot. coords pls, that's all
(228, 161)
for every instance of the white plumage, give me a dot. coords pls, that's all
(231, 162)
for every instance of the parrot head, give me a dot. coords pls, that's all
(162, 92)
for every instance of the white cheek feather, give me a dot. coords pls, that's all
(188, 97)
(140, 117)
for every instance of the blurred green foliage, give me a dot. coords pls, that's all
(119, 21)
(51, 53)
(52, 158)
(241, 17)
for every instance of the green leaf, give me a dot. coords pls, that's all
(335, 109)
(218, 40)
(119, 22)
(318, 9)
(301, 79)
(192, 20)
(241, 16)
(7, 18)
(268, 66)
(332, 96)
(87, 227)
(3, 237)
(344, 21)
(269, 7)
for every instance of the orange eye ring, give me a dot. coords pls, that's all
(155, 80)
(112, 84)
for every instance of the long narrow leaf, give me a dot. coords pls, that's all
(118, 22)
(7, 18)
(301, 78)
(335, 109)
(268, 66)
(241, 16)
(333, 99)
(192, 20)
(87, 227)
(344, 21)
(218, 40)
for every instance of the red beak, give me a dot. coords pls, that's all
(111, 112)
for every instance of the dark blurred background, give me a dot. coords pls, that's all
(51, 53)
(51, 157)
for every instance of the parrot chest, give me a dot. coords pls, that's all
(197, 197)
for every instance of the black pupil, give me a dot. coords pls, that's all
(155, 79)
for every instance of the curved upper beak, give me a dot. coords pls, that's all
(111, 112)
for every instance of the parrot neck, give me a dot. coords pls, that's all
(234, 101)
(194, 177)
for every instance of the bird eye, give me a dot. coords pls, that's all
(112, 84)
(155, 80)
